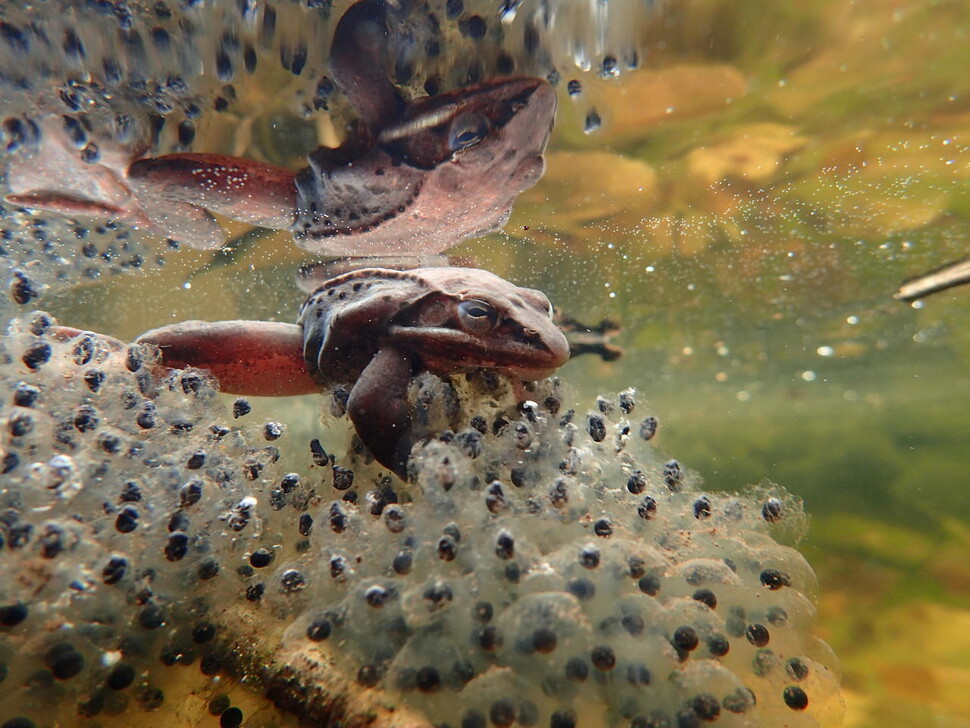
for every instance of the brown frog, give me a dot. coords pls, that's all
(416, 176)
(374, 329)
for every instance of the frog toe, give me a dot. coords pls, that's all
(950, 275)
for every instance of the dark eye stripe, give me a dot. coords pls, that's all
(467, 130)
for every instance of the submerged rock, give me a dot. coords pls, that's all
(544, 565)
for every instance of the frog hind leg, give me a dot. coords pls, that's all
(241, 189)
(56, 179)
(185, 223)
(379, 410)
(173, 220)
(256, 358)
(63, 204)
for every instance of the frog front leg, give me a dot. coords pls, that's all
(379, 410)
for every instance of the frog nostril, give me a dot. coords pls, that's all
(521, 100)
(531, 338)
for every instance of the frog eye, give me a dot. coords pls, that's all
(476, 316)
(468, 130)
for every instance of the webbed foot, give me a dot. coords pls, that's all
(585, 339)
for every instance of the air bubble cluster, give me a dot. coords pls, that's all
(534, 570)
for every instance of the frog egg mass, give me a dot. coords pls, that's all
(543, 565)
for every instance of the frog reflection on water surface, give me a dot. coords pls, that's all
(416, 176)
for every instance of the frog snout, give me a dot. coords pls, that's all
(553, 344)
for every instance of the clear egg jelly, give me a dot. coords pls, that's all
(543, 566)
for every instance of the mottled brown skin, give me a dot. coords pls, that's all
(374, 329)
(416, 177)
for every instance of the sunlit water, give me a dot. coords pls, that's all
(757, 190)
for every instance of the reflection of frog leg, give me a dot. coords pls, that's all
(183, 221)
(358, 62)
(379, 410)
(242, 189)
(176, 220)
(64, 204)
(55, 179)
(585, 339)
(261, 358)
(264, 194)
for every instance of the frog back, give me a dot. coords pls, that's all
(345, 320)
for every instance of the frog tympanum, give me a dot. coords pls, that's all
(417, 176)
(374, 329)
